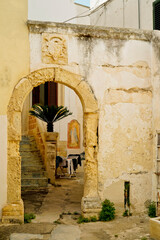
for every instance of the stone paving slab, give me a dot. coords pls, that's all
(25, 236)
(66, 232)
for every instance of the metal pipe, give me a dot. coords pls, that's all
(139, 15)
(123, 16)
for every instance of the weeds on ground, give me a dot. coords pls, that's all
(93, 219)
(143, 238)
(82, 219)
(76, 213)
(57, 222)
(28, 217)
(126, 213)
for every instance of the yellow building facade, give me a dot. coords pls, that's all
(14, 64)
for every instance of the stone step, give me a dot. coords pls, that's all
(27, 158)
(32, 168)
(30, 153)
(28, 141)
(27, 148)
(33, 188)
(24, 138)
(32, 162)
(34, 174)
(39, 182)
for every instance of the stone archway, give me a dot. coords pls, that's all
(14, 211)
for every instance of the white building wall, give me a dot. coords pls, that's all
(56, 11)
(124, 13)
(96, 3)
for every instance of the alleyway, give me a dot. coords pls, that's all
(57, 211)
(65, 197)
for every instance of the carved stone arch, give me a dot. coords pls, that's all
(14, 211)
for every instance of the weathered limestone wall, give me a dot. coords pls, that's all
(14, 64)
(117, 66)
(156, 106)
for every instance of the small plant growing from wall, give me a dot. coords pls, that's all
(152, 210)
(108, 211)
(49, 114)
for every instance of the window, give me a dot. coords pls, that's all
(156, 15)
(46, 94)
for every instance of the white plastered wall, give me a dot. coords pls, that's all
(136, 14)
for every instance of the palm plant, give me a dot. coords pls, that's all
(49, 114)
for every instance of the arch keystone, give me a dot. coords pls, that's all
(41, 76)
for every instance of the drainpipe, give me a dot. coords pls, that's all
(123, 16)
(139, 15)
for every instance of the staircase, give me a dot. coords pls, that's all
(33, 174)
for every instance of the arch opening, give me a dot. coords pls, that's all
(14, 210)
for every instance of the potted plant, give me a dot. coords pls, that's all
(49, 114)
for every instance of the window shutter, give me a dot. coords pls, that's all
(156, 15)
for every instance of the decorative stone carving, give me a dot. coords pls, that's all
(41, 76)
(54, 49)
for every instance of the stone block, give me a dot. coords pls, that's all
(155, 228)
(13, 148)
(67, 232)
(87, 97)
(91, 206)
(14, 125)
(90, 129)
(14, 179)
(51, 136)
(41, 76)
(67, 78)
(13, 213)
(25, 236)
(21, 90)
